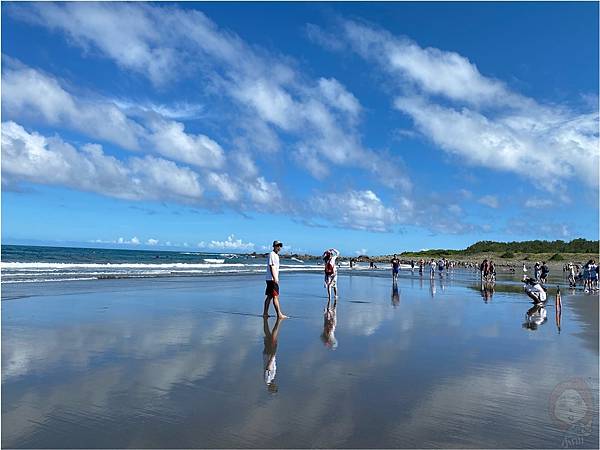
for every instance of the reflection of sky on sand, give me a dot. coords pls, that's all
(447, 371)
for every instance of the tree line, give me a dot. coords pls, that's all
(559, 246)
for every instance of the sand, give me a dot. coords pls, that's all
(172, 363)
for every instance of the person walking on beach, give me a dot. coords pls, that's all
(421, 265)
(441, 266)
(395, 268)
(431, 268)
(272, 291)
(329, 257)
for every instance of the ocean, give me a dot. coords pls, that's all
(24, 263)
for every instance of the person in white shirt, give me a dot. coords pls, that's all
(329, 258)
(534, 290)
(272, 291)
(269, 354)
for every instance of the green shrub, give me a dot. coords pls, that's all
(557, 257)
(507, 255)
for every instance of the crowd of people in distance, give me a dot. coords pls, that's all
(534, 287)
(587, 275)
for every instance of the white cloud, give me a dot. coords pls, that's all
(152, 241)
(498, 128)
(430, 69)
(538, 202)
(327, 40)
(489, 200)
(558, 150)
(268, 90)
(133, 241)
(361, 210)
(224, 184)
(338, 97)
(263, 192)
(230, 244)
(170, 140)
(101, 26)
(36, 158)
(28, 93)
(362, 251)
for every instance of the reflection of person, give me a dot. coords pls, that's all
(395, 295)
(536, 315)
(487, 291)
(329, 324)
(269, 360)
(432, 287)
(272, 291)
(329, 258)
(558, 308)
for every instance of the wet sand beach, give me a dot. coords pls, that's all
(180, 362)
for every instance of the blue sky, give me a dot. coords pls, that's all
(374, 128)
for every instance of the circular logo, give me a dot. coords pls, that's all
(571, 404)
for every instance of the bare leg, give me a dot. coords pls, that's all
(267, 303)
(328, 294)
(335, 291)
(280, 315)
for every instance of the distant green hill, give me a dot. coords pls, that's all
(575, 246)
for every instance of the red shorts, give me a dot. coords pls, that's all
(272, 289)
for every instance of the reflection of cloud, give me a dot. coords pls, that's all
(418, 375)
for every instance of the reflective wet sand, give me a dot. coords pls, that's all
(190, 363)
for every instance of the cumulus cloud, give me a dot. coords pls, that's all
(31, 94)
(224, 184)
(152, 241)
(486, 123)
(231, 243)
(268, 90)
(561, 149)
(133, 241)
(263, 192)
(489, 200)
(429, 69)
(49, 160)
(362, 210)
(365, 210)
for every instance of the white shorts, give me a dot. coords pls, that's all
(331, 280)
